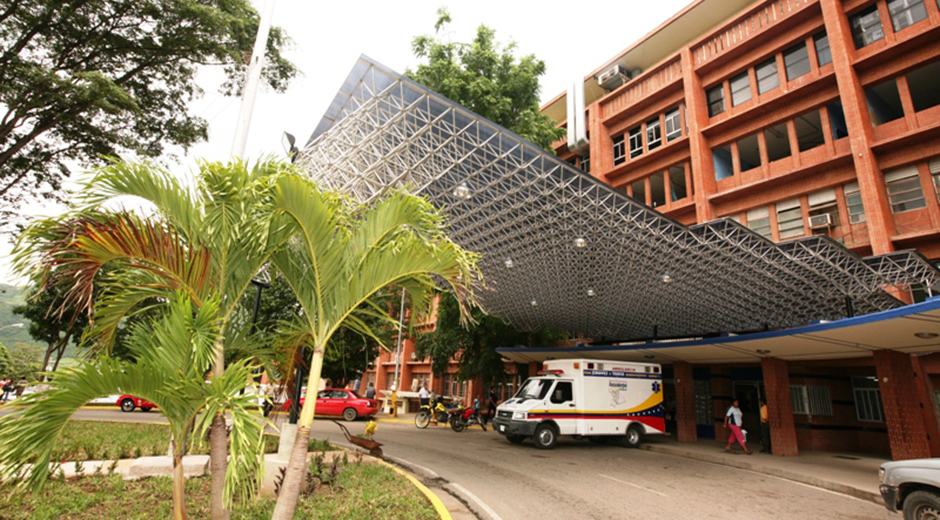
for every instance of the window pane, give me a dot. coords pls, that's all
(809, 132)
(884, 102)
(657, 190)
(677, 183)
(673, 125)
(823, 53)
(716, 100)
(778, 142)
(789, 219)
(853, 202)
(767, 78)
(904, 189)
(639, 190)
(796, 60)
(837, 120)
(740, 89)
(866, 27)
(905, 13)
(758, 220)
(636, 142)
(924, 84)
(722, 159)
(619, 155)
(824, 203)
(586, 163)
(653, 135)
(748, 153)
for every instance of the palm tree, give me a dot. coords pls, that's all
(207, 241)
(342, 254)
(173, 353)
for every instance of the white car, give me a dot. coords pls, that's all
(912, 486)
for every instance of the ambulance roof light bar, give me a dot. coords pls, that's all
(555, 372)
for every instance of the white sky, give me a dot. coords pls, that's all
(573, 39)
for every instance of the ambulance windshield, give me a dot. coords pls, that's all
(534, 389)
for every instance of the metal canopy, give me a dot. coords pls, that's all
(564, 250)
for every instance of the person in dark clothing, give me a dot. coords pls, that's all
(370, 392)
(490, 407)
(764, 428)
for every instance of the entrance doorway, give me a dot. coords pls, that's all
(749, 394)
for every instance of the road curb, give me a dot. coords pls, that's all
(755, 466)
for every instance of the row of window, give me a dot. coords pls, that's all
(796, 64)
(884, 99)
(815, 400)
(677, 188)
(866, 24)
(669, 124)
(775, 141)
(905, 193)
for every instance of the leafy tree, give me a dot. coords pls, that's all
(172, 352)
(6, 363)
(342, 255)
(25, 362)
(485, 77)
(84, 78)
(474, 347)
(55, 329)
(207, 241)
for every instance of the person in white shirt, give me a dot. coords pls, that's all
(423, 396)
(733, 421)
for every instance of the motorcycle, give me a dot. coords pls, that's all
(461, 417)
(435, 410)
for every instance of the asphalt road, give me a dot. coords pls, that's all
(579, 480)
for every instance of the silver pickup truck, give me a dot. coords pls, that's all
(912, 486)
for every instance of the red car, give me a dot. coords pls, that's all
(129, 402)
(339, 401)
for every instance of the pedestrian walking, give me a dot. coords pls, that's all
(764, 427)
(733, 419)
(6, 386)
(370, 392)
(490, 407)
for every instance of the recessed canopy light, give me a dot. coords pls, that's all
(667, 278)
(580, 242)
(649, 356)
(462, 191)
(763, 351)
(926, 335)
(590, 292)
(509, 263)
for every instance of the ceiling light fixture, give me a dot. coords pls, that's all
(580, 242)
(534, 303)
(763, 351)
(462, 191)
(667, 278)
(649, 356)
(926, 335)
(509, 263)
(590, 292)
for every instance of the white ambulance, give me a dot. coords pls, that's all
(588, 398)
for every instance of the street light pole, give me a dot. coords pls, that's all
(396, 382)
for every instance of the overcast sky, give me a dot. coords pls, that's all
(572, 38)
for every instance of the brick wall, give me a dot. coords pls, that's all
(903, 415)
(780, 407)
(685, 402)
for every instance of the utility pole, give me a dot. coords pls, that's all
(396, 382)
(253, 79)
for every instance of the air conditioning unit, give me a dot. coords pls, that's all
(613, 77)
(820, 221)
(857, 218)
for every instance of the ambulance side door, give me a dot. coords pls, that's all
(564, 405)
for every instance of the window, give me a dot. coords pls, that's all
(884, 102)
(778, 142)
(636, 142)
(562, 392)
(740, 89)
(657, 189)
(673, 125)
(790, 219)
(639, 190)
(586, 163)
(748, 153)
(796, 61)
(653, 135)
(809, 132)
(866, 27)
(934, 166)
(868, 404)
(924, 84)
(823, 203)
(837, 120)
(905, 13)
(722, 161)
(810, 400)
(678, 190)
(703, 401)
(853, 203)
(716, 100)
(619, 156)
(767, 78)
(904, 190)
(823, 53)
(758, 220)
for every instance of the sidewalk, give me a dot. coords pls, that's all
(851, 474)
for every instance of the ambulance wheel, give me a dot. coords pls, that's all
(545, 436)
(516, 439)
(632, 438)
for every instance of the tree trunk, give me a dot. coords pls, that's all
(179, 488)
(297, 467)
(218, 447)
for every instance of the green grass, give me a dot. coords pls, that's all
(367, 491)
(91, 440)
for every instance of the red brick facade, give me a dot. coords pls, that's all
(902, 405)
(685, 402)
(779, 407)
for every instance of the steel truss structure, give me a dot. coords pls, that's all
(564, 250)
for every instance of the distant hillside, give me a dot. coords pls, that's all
(11, 296)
